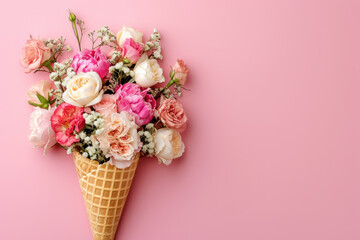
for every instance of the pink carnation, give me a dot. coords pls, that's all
(135, 100)
(91, 61)
(131, 50)
(65, 120)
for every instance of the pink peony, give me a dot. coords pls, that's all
(35, 53)
(172, 114)
(131, 50)
(107, 104)
(43, 87)
(42, 135)
(135, 100)
(181, 71)
(91, 61)
(65, 120)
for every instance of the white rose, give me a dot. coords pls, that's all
(42, 135)
(168, 145)
(148, 72)
(128, 32)
(84, 90)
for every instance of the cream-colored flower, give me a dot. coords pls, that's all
(148, 72)
(128, 32)
(83, 90)
(120, 141)
(168, 145)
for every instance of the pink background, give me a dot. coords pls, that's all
(272, 145)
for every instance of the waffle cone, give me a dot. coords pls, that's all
(105, 189)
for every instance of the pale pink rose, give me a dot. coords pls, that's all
(135, 100)
(35, 53)
(181, 71)
(42, 135)
(131, 50)
(119, 141)
(65, 120)
(43, 87)
(91, 61)
(168, 145)
(172, 114)
(107, 104)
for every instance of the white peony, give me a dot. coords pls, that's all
(148, 72)
(84, 89)
(128, 32)
(168, 145)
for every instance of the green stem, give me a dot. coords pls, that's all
(172, 81)
(48, 66)
(76, 34)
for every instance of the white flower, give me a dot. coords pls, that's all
(82, 135)
(83, 90)
(53, 75)
(148, 72)
(168, 145)
(128, 32)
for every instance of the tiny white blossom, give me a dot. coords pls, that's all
(53, 75)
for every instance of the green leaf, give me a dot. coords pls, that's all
(34, 104)
(172, 74)
(48, 65)
(42, 99)
(52, 102)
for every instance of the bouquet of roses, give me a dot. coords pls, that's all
(102, 106)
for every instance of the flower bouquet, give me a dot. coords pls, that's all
(102, 105)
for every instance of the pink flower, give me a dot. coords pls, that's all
(34, 54)
(107, 104)
(120, 141)
(43, 87)
(135, 100)
(181, 71)
(65, 120)
(131, 50)
(172, 114)
(91, 61)
(42, 135)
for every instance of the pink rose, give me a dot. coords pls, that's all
(42, 135)
(43, 87)
(107, 104)
(172, 114)
(131, 50)
(35, 53)
(135, 100)
(181, 71)
(91, 61)
(65, 120)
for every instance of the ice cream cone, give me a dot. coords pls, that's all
(105, 189)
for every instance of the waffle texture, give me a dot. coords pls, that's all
(105, 189)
